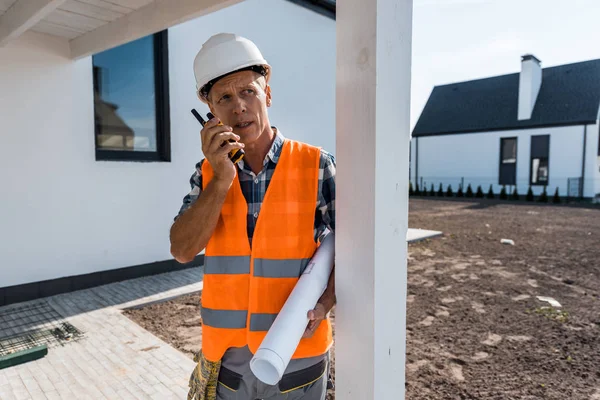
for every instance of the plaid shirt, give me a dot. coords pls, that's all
(255, 186)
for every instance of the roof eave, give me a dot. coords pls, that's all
(510, 128)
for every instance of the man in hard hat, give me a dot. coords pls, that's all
(259, 220)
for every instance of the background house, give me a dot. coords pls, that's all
(97, 152)
(535, 128)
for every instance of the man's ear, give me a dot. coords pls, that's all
(268, 93)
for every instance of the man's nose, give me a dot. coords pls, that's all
(239, 106)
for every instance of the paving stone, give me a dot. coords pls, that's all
(46, 385)
(146, 388)
(10, 372)
(38, 395)
(21, 394)
(31, 384)
(124, 394)
(16, 383)
(6, 392)
(61, 386)
(54, 395)
(3, 379)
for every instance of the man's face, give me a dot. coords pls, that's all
(240, 100)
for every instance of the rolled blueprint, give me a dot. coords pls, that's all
(282, 339)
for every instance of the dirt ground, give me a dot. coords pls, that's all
(475, 328)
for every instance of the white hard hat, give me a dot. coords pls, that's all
(224, 53)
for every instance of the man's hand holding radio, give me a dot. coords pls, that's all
(217, 141)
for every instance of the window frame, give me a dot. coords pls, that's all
(531, 158)
(162, 107)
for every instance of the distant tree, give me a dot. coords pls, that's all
(432, 191)
(440, 192)
(410, 189)
(449, 192)
(490, 193)
(469, 191)
(417, 191)
(556, 198)
(503, 195)
(460, 193)
(543, 197)
(480, 194)
(529, 196)
(515, 194)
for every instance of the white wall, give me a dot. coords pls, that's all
(63, 213)
(475, 157)
(592, 161)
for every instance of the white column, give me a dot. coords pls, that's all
(372, 145)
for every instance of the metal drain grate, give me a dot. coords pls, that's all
(33, 325)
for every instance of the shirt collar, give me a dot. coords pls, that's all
(274, 151)
(276, 147)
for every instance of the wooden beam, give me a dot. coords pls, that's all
(152, 18)
(372, 143)
(23, 15)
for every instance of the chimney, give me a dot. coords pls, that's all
(530, 81)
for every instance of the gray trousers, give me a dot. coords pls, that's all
(304, 379)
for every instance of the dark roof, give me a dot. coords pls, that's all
(569, 95)
(324, 7)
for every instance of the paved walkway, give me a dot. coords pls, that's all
(116, 359)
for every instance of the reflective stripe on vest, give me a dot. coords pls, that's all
(227, 319)
(261, 322)
(291, 268)
(227, 265)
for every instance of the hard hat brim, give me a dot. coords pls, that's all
(263, 69)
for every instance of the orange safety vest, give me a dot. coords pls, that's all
(244, 289)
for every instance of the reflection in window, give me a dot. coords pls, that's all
(509, 151)
(539, 171)
(131, 100)
(540, 149)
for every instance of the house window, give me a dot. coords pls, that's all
(508, 161)
(131, 101)
(509, 151)
(540, 148)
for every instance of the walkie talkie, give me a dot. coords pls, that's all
(235, 155)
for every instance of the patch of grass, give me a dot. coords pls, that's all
(552, 313)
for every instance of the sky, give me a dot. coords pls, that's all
(459, 40)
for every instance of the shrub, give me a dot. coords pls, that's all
(432, 191)
(503, 195)
(440, 192)
(544, 196)
(449, 192)
(556, 198)
(515, 195)
(469, 191)
(479, 193)
(490, 193)
(529, 196)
